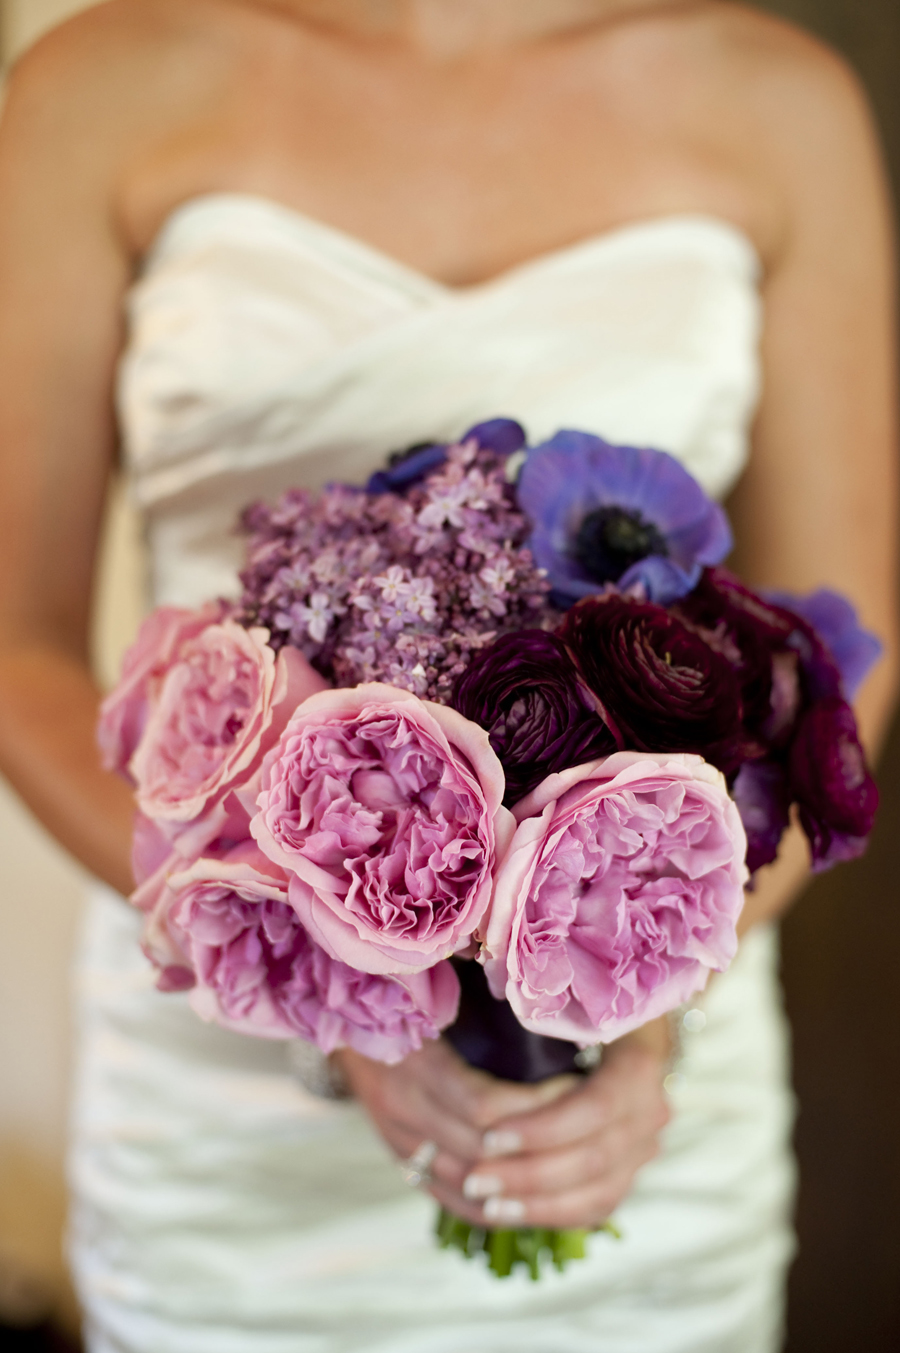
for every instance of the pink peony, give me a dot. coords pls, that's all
(386, 811)
(619, 893)
(218, 709)
(159, 644)
(225, 927)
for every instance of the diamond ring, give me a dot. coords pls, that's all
(416, 1169)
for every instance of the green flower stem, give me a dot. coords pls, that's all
(506, 1248)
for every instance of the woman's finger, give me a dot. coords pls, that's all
(446, 1167)
(627, 1086)
(416, 1115)
(402, 1107)
(561, 1169)
(587, 1206)
(481, 1099)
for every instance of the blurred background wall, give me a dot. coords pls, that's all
(841, 943)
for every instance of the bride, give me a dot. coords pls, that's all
(258, 243)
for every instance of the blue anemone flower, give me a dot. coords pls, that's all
(615, 514)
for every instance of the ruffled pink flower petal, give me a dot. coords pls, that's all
(159, 644)
(224, 929)
(619, 894)
(217, 710)
(387, 813)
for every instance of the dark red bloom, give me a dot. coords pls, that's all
(662, 687)
(835, 792)
(525, 691)
(749, 630)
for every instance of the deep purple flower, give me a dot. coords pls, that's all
(525, 690)
(503, 436)
(405, 468)
(763, 799)
(835, 621)
(605, 514)
(829, 778)
(795, 658)
(662, 688)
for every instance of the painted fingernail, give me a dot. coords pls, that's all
(501, 1143)
(482, 1186)
(504, 1209)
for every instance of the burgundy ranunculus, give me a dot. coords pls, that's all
(662, 688)
(829, 778)
(525, 691)
(749, 631)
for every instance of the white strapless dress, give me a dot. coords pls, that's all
(218, 1206)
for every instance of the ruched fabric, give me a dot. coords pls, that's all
(217, 1206)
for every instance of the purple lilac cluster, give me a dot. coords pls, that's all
(400, 587)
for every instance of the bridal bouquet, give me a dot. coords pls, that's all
(500, 704)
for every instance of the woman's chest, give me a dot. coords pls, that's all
(459, 172)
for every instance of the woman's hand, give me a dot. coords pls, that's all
(560, 1154)
(572, 1162)
(433, 1096)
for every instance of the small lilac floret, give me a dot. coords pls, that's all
(635, 516)
(834, 618)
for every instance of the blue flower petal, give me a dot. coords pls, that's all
(663, 579)
(574, 473)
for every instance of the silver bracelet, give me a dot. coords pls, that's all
(318, 1074)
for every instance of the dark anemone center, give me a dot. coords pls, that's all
(610, 540)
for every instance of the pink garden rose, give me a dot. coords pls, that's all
(386, 812)
(620, 892)
(217, 710)
(159, 644)
(226, 929)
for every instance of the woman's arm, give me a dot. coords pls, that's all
(62, 276)
(817, 505)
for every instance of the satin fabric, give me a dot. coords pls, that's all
(217, 1206)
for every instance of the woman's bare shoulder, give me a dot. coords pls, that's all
(120, 66)
(784, 76)
(792, 112)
